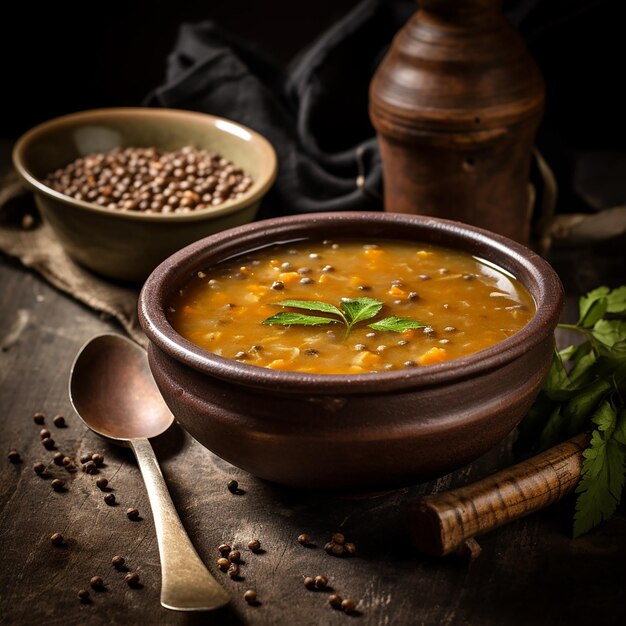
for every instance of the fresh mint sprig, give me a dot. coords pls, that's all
(586, 389)
(351, 311)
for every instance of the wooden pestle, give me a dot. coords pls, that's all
(442, 523)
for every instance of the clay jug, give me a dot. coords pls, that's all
(456, 103)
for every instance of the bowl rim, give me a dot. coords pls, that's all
(256, 192)
(546, 289)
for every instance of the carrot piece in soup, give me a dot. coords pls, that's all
(433, 356)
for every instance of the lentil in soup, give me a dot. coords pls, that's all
(449, 304)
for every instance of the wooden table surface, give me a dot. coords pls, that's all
(530, 572)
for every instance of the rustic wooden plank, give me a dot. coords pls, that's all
(530, 571)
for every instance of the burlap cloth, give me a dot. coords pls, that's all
(24, 236)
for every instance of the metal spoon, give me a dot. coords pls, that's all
(112, 390)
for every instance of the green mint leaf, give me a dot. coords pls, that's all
(609, 332)
(617, 300)
(602, 477)
(593, 313)
(396, 324)
(297, 319)
(587, 301)
(310, 305)
(359, 309)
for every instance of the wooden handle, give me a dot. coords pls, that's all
(441, 523)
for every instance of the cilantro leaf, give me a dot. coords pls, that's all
(311, 305)
(299, 319)
(396, 324)
(359, 309)
(617, 300)
(602, 481)
(586, 303)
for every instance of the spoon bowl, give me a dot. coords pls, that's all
(113, 392)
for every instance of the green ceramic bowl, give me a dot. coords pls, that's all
(121, 244)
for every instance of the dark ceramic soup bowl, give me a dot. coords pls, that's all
(351, 431)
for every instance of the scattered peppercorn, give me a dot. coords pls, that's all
(118, 561)
(14, 456)
(250, 596)
(48, 443)
(58, 421)
(224, 549)
(39, 468)
(233, 570)
(56, 539)
(98, 459)
(90, 467)
(132, 514)
(223, 563)
(309, 582)
(39, 418)
(109, 499)
(58, 458)
(57, 484)
(44, 433)
(96, 582)
(335, 601)
(254, 545)
(348, 606)
(304, 539)
(131, 579)
(233, 486)
(234, 556)
(321, 582)
(83, 595)
(338, 538)
(102, 483)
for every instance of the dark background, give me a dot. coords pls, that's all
(67, 56)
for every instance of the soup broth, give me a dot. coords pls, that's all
(463, 305)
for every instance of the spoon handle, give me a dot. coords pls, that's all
(186, 585)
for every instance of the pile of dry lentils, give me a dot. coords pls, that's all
(152, 181)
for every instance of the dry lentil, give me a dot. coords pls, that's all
(233, 486)
(321, 582)
(233, 570)
(132, 514)
(254, 545)
(57, 484)
(56, 539)
(90, 468)
(234, 556)
(39, 468)
(223, 563)
(39, 418)
(102, 483)
(58, 421)
(14, 456)
(44, 433)
(151, 180)
(96, 582)
(335, 601)
(338, 538)
(250, 596)
(309, 582)
(131, 579)
(58, 457)
(304, 539)
(48, 443)
(109, 499)
(350, 548)
(118, 561)
(83, 595)
(224, 549)
(85, 458)
(347, 605)
(98, 459)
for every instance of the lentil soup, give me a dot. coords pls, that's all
(462, 304)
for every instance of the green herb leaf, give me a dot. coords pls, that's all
(297, 319)
(609, 332)
(602, 479)
(553, 429)
(594, 312)
(396, 324)
(557, 376)
(619, 434)
(311, 305)
(586, 302)
(578, 410)
(617, 300)
(359, 309)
